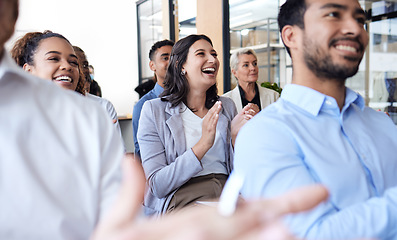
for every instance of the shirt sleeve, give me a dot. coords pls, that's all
(113, 114)
(164, 174)
(136, 113)
(112, 151)
(272, 162)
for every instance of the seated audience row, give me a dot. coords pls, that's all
(60, 162)
(65, 154)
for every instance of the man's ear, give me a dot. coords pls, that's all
(290, 35)
(151, 66)
(27, 67)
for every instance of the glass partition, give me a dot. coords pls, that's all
(383, 66)
(150, 30)
(253, 24)
(377, 76)
(187, 13)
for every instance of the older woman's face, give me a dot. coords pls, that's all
(247, 69)
(8, 17)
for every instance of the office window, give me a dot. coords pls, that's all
(253, 24)
(187, 13)
(150, 30)
(376, 82)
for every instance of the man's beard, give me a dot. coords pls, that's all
(322, 65)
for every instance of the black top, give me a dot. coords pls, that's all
(255, 100)
(145, 87)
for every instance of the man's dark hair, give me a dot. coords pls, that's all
(291, 13)
(158, 45)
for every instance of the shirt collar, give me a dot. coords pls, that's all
(7, 65)
(313, 101)
(353, 97)
(158, 89)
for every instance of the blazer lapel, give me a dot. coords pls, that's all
(175, 125)
(237, 98)
(223, 126)
(264, 100)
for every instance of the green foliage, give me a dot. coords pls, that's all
(272, 86)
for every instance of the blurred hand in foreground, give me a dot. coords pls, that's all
(252, 219)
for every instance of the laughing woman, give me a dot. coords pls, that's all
(49, 56)
(187, 135)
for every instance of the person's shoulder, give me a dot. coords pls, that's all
(53, 97)
(148, 96)
(103, 101)
(46, 90)
(67, 105)
(226, 100)
(92, 96)
(228, 105)
(156, 104)
(232, 93)
(228, 94)
(377, 117)
(155, 110)
(96, 98)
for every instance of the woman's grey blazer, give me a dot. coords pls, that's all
(166, 161)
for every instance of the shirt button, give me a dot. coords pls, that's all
(328, 102)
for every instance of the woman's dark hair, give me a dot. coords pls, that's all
(292, 13)
(25, 48)
(83, 75)
(95, 89)
(176, 86)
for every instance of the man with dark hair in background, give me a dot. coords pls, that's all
(159, 56)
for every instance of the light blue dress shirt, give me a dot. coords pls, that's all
(136, 114)
(304, 139)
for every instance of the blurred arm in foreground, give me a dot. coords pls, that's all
(252, 219)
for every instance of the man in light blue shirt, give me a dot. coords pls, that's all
(159, 56)
(320, 131)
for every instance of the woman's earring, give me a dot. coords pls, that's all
(183, 72)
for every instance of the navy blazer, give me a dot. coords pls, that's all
(166, 161)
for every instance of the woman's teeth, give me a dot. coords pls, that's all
(63, 79)
(208, 70)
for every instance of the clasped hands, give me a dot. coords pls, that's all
(209, 126)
